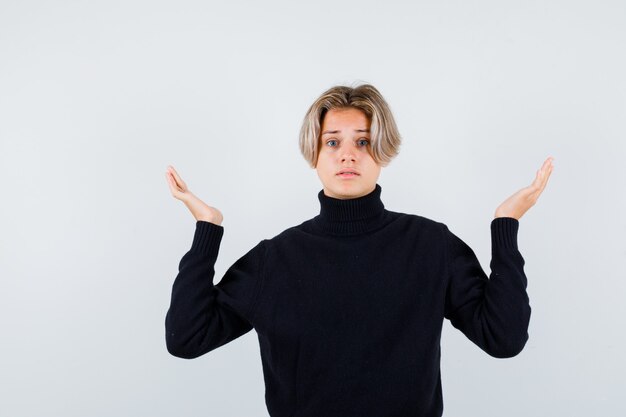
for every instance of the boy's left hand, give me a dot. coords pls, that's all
(516, 205)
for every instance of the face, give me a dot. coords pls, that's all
(345, 145)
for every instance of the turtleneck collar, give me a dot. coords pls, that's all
(351, 216)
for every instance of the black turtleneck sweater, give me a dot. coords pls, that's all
(349, 306)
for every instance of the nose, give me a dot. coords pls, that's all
(348, 154)
(348, 157)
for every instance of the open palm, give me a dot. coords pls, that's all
(516, 205)
(198, 208)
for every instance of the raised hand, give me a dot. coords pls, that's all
(199, 209)
(516, 205)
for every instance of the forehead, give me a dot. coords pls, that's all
(345, 117)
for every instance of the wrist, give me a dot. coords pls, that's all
(209, 220)
(503, 213)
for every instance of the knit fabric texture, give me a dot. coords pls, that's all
(349, 306)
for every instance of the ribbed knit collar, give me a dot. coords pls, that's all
(351, 216)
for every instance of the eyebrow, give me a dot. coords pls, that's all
(337, 131)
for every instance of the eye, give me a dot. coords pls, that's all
(364, 140)
(331, 140)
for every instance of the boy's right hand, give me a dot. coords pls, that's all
(199, 209)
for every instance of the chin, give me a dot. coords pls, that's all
(347, 190)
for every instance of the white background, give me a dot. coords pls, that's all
(98, 97)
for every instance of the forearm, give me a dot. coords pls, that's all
(506, 311)
(187, 323)
(494, 313)
(203, 316)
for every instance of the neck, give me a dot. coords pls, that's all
(350, 216)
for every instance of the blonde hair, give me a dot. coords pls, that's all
(385, 138)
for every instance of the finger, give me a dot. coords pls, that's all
(169, 171)
(546, 164)
(547, 170)
(548, 161)
(544, 171)
(179, 180)
(545, 181)
(174, 186)
(537, 181)
(535, 188)
(171, 183)
(175, 177)
(541, 178)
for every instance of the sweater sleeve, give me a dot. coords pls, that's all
(204, 316)
(493, 312)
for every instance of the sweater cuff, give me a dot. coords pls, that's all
(504, 233)
(207, 238)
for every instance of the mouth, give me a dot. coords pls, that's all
(347, 174)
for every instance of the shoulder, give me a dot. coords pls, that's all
(294, 232)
